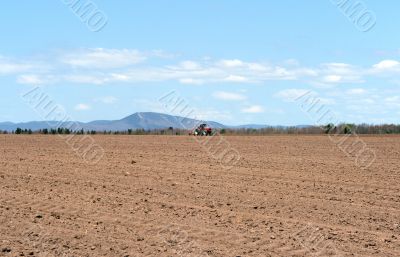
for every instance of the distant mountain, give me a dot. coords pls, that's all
(140, 120)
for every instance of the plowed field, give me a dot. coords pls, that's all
(168, 196)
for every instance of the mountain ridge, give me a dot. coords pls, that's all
(138, 120)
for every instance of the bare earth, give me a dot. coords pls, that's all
(166, 196)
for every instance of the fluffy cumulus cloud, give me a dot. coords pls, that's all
(107, 100)
(191, 81)
(392, 99)
(356, 91)
(332, 78)
(341, 73)
(103, 58)
(212, 114)
(292, 94)
(104, 66)
(386, 66)
(30, 79)
(253, 109)
(190, 65)
(366, 103)
(232, 63)
(229, 96)
(235, 78)
(10, 66)
(82, 107)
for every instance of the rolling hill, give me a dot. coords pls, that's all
(140, 120)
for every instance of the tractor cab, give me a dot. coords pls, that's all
(203, 130)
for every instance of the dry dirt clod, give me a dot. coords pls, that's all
(6, 250)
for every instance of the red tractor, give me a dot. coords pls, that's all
(203, 130)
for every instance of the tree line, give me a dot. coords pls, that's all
(66, 131)
(346, 128)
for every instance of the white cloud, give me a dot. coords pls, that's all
(119, 77)
(229, 96)
(107, 100)
(102, 66)
(30, 79)
(332, 78)
(103, 58)
(257, 67)
(292, 94)
(326, 101)
(356, 91)
(387, 69)
(231, 63)
(386, 65)
(341, 73)
(322, 85)
(191, 81)
(235, 78)
(253, 109)
(291, 62)
(367, 101)
(8, 66)
(190, 65)
(89, 79)
(339, 68)
(392, 99)
(210, 114)
(82, 107)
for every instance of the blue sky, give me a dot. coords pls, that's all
(233, 61)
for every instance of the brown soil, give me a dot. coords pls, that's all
(166, 196)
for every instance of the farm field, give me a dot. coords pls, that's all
(167, 196)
